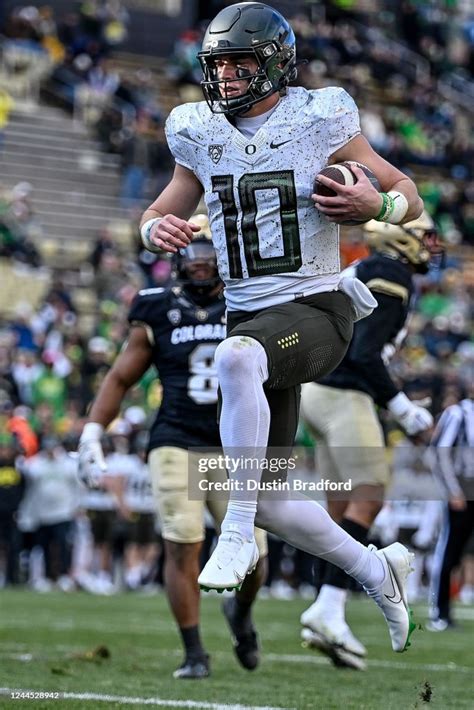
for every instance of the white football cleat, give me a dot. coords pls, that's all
(233, 558)
(339, 656)
(391, 596)
(437, 625)
(334, 633)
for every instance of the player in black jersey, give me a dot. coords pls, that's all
(341, 410)
(177, 329)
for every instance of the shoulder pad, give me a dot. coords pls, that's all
(185, 128)
(331, 102)
(339, 112)
(147, 303)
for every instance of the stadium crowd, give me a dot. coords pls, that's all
(50, 368)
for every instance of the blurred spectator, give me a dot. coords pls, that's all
(18, 425)
(138, 159)
(184, 67)
(111, 274)
(116, 19)
(49, 388)
(96, 364)
(11, 492)
(103, 243)
(25, 370)
(9, 390)
(18, 225)
(52, 475)
(96, 93)
(6, 105)
(20, 327)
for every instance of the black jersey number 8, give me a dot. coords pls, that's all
(248, 185)
(202, 382)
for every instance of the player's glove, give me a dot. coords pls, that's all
(413, 418)
(91, 457)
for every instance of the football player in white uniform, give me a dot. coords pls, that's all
(253, 148)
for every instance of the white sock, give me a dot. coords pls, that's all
(133, 577)
(242, 369)
(331, 602)
(242, 514)
(304, 524)
(368, 570)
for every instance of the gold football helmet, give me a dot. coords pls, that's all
(415, 242)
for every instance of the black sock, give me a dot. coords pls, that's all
(242, 609)
(192, 642)
(335, 576)
(319, 571)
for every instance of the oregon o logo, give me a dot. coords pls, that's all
(250, 149)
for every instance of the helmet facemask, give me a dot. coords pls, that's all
(276, 68)
(197, 268)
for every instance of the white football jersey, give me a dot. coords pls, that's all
(119, 465)
(272, 244)
(138, 490)
(54, 488)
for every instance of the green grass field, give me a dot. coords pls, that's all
(44, 640)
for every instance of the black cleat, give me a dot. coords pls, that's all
(193, 668)
(244, 636)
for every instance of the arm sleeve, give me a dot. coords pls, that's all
(370, 336)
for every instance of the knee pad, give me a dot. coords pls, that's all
(241, 355)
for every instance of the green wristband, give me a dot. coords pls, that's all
(390, 208)
(383, 209)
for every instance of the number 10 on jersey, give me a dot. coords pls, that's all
(248, 185)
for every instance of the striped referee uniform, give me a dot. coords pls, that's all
(453, 465)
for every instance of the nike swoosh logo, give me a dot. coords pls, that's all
(396, 592)
(277, 145)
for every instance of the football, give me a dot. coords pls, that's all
(342, 173)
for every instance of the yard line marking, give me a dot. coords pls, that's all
(26, 657)
(321, 660)
(142, 701)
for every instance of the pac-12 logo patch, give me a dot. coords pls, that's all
(201, 315)
(174, 316)
(215, 152)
